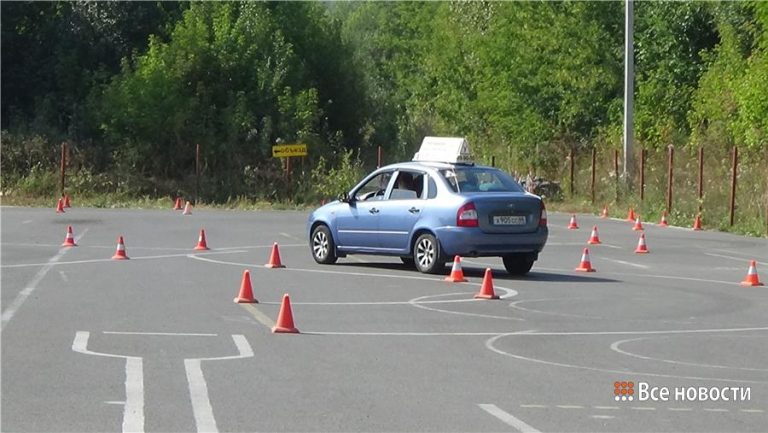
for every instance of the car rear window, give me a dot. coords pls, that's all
(478, 179)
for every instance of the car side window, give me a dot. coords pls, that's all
(409, 185)
(375, 188)
(431, 187)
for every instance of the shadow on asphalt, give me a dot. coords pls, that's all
(498, 274)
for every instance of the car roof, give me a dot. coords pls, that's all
(430, 164)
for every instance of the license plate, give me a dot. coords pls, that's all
(509, 220)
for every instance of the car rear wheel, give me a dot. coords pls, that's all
(323, 249)
(427, 255)
(518, 264)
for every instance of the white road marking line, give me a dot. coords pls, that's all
(508, 418)
(716, 410)
(534, 406)
(751, 410)
(289, 236)
(680, 409)
(26, 221)
(615, 347)
(78, 262)
(622, 262)
(736, 259)
(642, 408)
(198, 388)
(24, 294)
(606, 407)
(174, 334)
(114, 402)
(489, 344)
(569, 406)
(602, 416)
(133, 412)
(740, 253)
(408, 334)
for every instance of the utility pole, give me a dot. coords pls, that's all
(629, 77)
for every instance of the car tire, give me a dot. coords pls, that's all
(427, 256)
(321, 245)
(518, 264)
(408, 261)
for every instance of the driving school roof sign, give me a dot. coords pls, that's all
(286, 150)
(444, 149)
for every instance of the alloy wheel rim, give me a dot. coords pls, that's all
(425, 253)
(320, 245)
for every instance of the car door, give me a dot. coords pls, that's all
(401, 210)
(357, 225)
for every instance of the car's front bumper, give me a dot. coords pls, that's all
(472, 242)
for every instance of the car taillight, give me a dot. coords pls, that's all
(543, 216)
(467, 216)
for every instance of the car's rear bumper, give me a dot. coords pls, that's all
(471, 242)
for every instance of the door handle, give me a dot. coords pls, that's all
(414, 210)
(373, 210)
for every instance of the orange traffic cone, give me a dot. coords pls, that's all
(663, 222)
(177, 205)
(752, 279)
(604, 214)
(69, 241)
(486, 289)
(274, 258)
(60, 206)
(697, 223)
(457, 274)
(120, 253)
(187, 209)
(285, 318)
(572, 225)
(638, 225)
(66, 201)
(585, 265)
(641, 247)
(201, 244)
(246, 291)
(593, 238)
(631, 215)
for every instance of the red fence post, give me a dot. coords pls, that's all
(197, 173)
(63, 166)
(733, 183)
(701, 178)
(616, 170)
(643, 154)
(592, 187)
(570, 171)
(670, 173)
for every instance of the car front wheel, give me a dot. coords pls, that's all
(427, 255)
(323, 249)
(518, 264)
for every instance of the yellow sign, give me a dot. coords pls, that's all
(285, 150)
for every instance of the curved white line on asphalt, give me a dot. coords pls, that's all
(615, 347)
(509, 293)
(319, 271)
(489, 344)
(133, 411)
(79, 262)
(530, 310)
(24, 294)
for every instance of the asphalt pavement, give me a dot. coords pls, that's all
(156, 343)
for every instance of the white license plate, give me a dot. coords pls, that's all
(509, 220)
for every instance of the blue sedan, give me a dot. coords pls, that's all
(428, 212)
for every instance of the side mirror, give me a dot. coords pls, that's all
(344, 197)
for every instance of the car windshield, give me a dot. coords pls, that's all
(479, 179)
